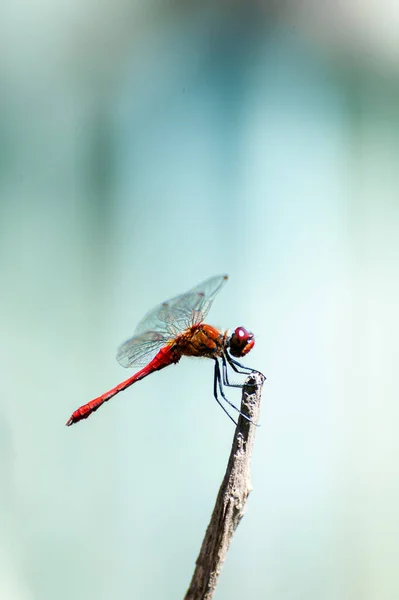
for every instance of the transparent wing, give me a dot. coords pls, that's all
(178, 313)
(140, 349)
(167, 320)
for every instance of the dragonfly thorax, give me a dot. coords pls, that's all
(200, 340)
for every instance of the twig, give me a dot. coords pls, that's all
(232, 496)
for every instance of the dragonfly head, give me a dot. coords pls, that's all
(241, 342)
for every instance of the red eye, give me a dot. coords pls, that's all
(241, 342)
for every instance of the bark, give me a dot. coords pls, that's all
(232, 496)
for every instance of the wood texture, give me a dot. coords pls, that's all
(232, 496)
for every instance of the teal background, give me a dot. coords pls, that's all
(143, 148)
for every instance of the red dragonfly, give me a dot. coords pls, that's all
(174, 329)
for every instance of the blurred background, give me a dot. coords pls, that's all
(145, 146)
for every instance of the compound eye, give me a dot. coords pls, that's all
(242, 334)
(241, 342)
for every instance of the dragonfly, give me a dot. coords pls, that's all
(174, 329)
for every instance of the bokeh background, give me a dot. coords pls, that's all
(145, 146)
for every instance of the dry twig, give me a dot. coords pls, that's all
(232, 496)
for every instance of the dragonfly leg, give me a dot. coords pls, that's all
(238, 367)
(218, 384)
(226, 376)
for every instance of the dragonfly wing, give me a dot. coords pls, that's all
(174, 316)
(197, 302)
(141, 349)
